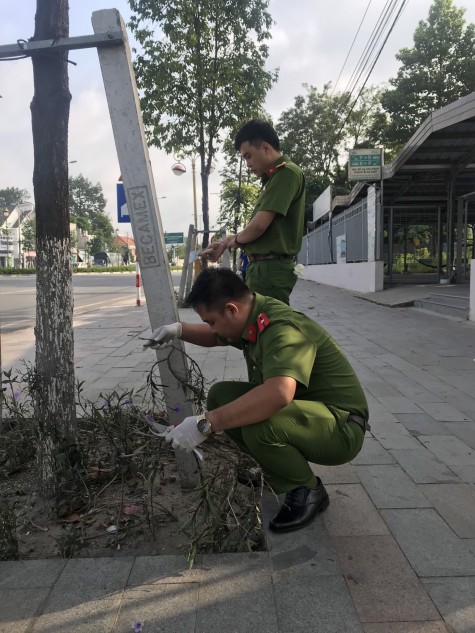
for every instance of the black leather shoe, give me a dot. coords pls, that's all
(299, 508)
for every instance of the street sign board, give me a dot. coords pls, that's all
(365, 164)
(122, 210)
(174, 238)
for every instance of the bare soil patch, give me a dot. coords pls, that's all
(131, 505)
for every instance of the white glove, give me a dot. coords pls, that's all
(186, 434)
(163, 336)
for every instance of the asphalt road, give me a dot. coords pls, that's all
(91, 290)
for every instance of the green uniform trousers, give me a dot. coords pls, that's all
(272, 278)
(301, 432)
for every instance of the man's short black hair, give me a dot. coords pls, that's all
(214, 287)
(255, 132)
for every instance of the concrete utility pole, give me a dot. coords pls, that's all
(134, 161)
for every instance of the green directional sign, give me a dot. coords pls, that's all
(365, 164)
(174, 238)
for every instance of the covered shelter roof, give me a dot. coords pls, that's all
(439, 155)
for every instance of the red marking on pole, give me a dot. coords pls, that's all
(137, 283)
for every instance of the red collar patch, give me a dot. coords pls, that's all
(271, 170)
(262, 321)
(251, 333)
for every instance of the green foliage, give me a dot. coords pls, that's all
(225, 518)
(106, 269)
(87, 206)
(91, 269)
(311, 132)
(86, 200)
(318, 131)
(11, 196)
(201, 71)
(71, 542)
(17, 271)
(437, 70)
(9, 549)
(17, 412)
(28, 235)
(237, 204)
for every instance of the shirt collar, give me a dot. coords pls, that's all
(250, 330)
(282, 159)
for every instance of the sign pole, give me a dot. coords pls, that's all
(127, 125)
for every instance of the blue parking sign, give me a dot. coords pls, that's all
(122, 210)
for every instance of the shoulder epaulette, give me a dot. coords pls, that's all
(271, 170)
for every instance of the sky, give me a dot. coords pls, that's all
(310, 41)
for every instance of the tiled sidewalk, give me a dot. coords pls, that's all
(395, 551)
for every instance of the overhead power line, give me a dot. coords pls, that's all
(352, 44)
(371, 53)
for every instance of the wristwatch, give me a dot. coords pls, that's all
(203, 424)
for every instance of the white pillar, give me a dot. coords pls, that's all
(132, 151)
(371, 210)
(471, 315)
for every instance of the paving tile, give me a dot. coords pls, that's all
(382, 584)
(465, 473)
(351, 512)
(161, 608)
(381, 388)
(307, 603)
(454, 598)
(457, 362)
(395, 360)
(427, 380)
(449, 449)
(86, 616)
(390, 487)
(343, 474)
(373, 453)
(421, 424)
(92, 578)
(390, 428)
(236, 594)
(379, 413)
(401, 441)
(465, 431)
(423, 467)
(27, 574)
(154, 570)
(442, 411)
(407, 627)
(429, 544)
(18, 608)
(456, 504)
(309, 548)
(416, 392)
(463, 402)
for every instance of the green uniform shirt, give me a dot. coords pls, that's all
(284, 193)
(293, 345)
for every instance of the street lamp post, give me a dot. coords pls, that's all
(179, 169)
(6, 213)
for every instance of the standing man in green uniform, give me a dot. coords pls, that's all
(303, 402)
(273, 236)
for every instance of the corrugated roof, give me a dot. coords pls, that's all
(442, 147)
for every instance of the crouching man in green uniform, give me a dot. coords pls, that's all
(303, 402)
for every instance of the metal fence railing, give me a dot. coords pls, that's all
(321, 245)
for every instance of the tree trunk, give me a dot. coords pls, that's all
(55, 401)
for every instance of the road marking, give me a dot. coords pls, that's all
(18, 292)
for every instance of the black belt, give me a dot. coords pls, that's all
(259, 258)
(360, 421)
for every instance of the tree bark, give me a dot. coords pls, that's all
(54, 390)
